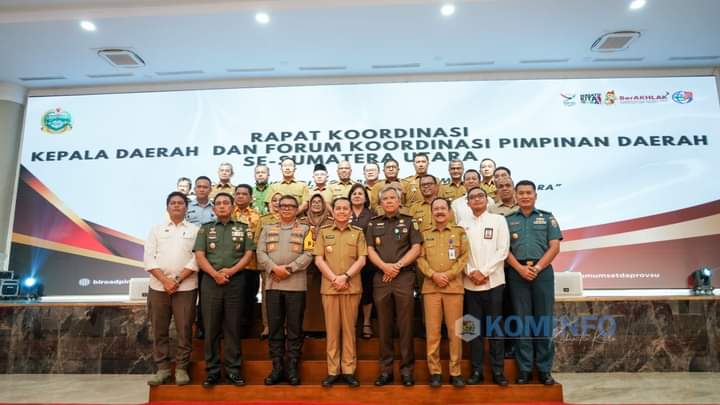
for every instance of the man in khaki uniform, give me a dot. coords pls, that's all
(341, 187)
(225, 173)
(321, 187)
(289, 186)
(487, 170)
(340, 254)
(453, 189)
(371, 171)
(442, 260)
(505, 193)
(411, 184)
(420, 211)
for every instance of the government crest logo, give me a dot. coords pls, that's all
(56, 121)
(610, 97)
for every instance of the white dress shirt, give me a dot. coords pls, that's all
(489, 241)
(462, 211)
(169, 247)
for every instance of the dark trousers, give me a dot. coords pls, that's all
(252, 286)
(507, 308)
(533, 301)
(486, 306)
(395, 305)
(162, 308)
(285, 308)
(198, 311)
(222, 306)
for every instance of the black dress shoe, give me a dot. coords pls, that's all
(293, 377)
(457, 381)
(476, 377)
(351, 380)
(210, 380)
(499, 379)
(435, 380)
(407, 380)
(236, 379)
(275, 377)
(329, 380)
(384, 379)
(523, 377)
(547, 379)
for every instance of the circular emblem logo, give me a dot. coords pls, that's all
(682, 96)
(56, 121)
(84, 282)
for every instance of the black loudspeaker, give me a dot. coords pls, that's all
(9, 288)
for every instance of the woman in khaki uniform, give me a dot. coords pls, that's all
(317, 215)
(340, 254)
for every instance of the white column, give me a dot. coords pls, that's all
(12, 108)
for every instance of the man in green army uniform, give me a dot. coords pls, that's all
(223, 248)
(534, 242)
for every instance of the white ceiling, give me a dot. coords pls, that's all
(42, 38)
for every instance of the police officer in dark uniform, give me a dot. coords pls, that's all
(534, 242)
(223, 248)
(394, 241)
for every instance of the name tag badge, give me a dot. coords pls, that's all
(451, 254)
(488, 233)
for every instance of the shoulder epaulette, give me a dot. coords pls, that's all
(355, 227)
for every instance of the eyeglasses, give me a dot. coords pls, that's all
(427, 184)
(478, 196)
(288, 206)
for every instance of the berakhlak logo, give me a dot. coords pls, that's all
(682, 96)
(56, 121)
(568, 99)
(84, 282)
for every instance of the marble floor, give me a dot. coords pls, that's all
(585, 388)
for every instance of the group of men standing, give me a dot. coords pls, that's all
(474, 246)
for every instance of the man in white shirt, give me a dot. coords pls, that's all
(485, 280)
(171, 263)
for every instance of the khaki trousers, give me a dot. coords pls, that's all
(341, 311)
(437, 306)
(162, 308)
